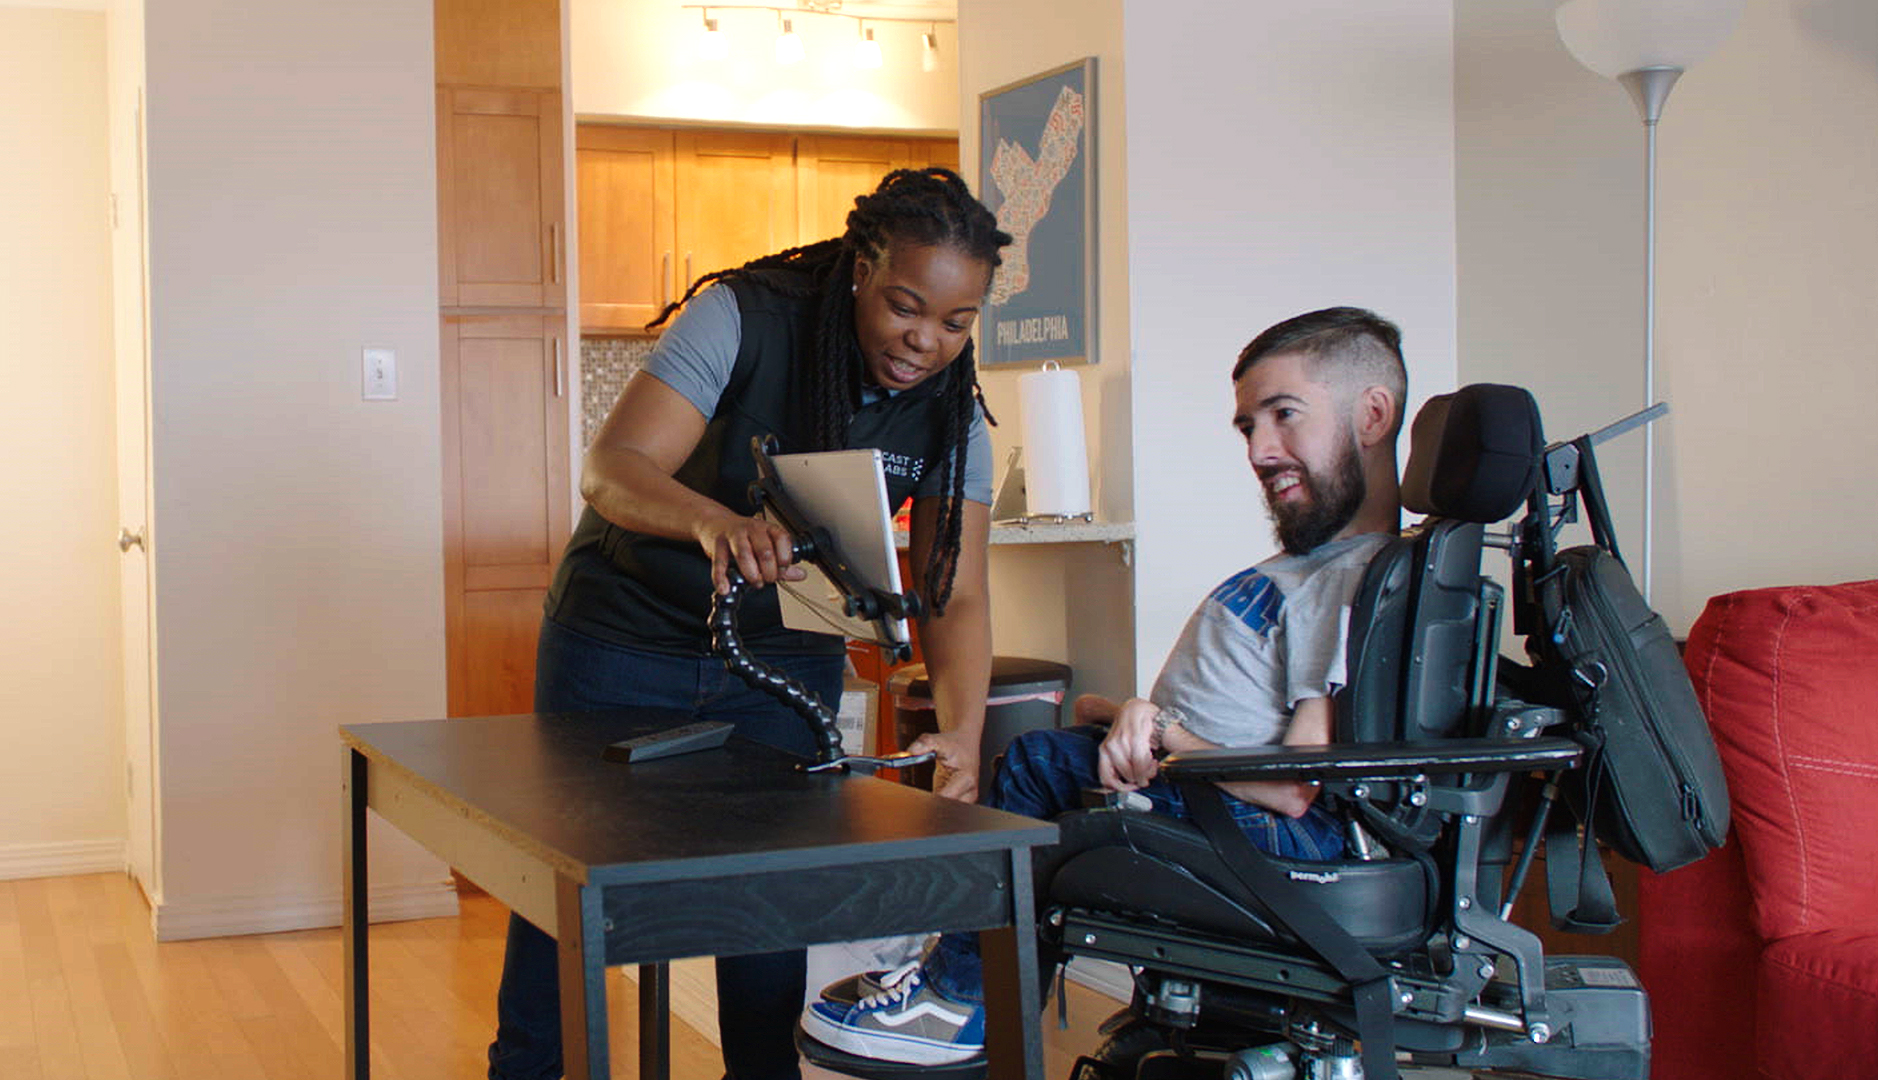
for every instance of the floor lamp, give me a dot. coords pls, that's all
(1646, 45)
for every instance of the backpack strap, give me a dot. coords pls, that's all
(1576, 884)
(1273, 889)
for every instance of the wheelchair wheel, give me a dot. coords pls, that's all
(1120, 1055)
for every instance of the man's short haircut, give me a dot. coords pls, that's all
(1362, 347)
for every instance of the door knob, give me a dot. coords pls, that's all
(127, 539)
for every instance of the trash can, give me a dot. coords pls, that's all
(1025, 695)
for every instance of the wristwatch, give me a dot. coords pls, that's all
(1165, 719)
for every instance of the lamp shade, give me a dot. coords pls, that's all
(1616, 37)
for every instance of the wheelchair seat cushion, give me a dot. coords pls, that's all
(1163, 868)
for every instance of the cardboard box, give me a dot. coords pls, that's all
(859, 715)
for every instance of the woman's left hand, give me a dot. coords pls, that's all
(955, 771)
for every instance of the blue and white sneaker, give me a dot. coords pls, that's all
(907, 1021)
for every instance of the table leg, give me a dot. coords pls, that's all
(655, 1021)
(1013, 996)
(357, 923)
(581, 941)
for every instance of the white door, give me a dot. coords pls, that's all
(133, 501)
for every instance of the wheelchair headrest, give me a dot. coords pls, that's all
(1474, 454)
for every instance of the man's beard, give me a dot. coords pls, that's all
(1332, 503)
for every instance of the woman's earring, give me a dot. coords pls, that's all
(855, 289)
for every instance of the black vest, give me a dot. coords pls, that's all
(649, 592)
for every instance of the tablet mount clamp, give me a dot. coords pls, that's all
(811, 544)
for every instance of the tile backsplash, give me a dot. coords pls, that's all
(605, 365)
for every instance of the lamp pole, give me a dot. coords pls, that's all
(1646, 45)
(1649, 87)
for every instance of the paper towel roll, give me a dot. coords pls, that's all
(1056, 458)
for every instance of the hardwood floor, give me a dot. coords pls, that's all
(86, 994)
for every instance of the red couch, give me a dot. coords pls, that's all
(1762, 960)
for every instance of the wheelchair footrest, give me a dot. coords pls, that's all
(820, 1053)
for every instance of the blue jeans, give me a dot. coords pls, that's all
(758, 997)
(1043, 774)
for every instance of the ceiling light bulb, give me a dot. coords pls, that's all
(789, 44)
(867, 51)
(714, 45)
(929, 52)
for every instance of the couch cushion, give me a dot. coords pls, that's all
(1818, 1006)
(1788, 678)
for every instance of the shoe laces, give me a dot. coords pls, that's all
(897, 986)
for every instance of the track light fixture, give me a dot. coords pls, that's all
(929, 49)
(866, 50)
(714, 43)
(788, 42)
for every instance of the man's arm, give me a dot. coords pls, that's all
(1127, 759)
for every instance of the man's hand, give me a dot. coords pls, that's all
(1126, 760)
(955, 771)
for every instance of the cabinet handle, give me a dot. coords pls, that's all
(560, 381)
(665, 281)
(554, 253)
(688, 278)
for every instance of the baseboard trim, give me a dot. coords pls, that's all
(1104, 977)
(19, 861)
(224, 916)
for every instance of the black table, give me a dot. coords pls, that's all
(718, 853)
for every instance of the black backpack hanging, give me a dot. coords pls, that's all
(1652, 787)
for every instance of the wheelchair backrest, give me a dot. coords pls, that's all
(1421, 643)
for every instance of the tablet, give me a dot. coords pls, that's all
(845, 492)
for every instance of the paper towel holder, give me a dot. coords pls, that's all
(1009, 507)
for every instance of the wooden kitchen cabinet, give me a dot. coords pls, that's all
(737, 199)
(650, 223)
(628, 225)
(501, 242)
(507, 504)
(832, 169)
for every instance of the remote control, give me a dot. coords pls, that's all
(703, 735)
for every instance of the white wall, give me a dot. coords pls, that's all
(638, 59)
(299, 583)
(1070, 603)
(1767, 276)
(61, 775)
(1282, 157)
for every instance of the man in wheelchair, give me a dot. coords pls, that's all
(1319, 402)
(1388, 780)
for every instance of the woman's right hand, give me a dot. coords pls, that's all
(762, 550)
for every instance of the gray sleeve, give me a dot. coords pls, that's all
(1315, 632)
(977, 464)
(698, 350)
(1224, 677)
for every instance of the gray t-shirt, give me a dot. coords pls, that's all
(1264, 640)
(698, 350)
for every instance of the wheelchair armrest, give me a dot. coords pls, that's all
(1374, 761)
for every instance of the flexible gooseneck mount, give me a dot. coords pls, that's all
(811, 544)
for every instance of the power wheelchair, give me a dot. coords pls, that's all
(1255, 968)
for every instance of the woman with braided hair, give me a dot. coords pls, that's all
(859, 341)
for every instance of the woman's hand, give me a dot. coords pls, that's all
(762, 550)
(955, 771)
(1126, 759)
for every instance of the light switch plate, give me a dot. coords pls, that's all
(380, 373)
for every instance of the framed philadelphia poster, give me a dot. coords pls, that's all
(1036, 171)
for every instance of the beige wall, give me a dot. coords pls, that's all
(1066, 602)
(1282, 157)
(637, 59)
(61, 774)
(1767, 276)
(298, 543)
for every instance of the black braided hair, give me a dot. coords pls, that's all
(910, 207)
